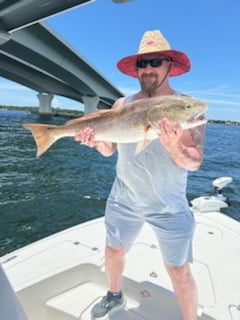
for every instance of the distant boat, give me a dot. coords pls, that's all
(62, 276)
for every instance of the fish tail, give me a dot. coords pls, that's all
(41, 135)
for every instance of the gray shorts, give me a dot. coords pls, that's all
(173, 231)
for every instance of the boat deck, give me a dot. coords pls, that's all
(62, 276)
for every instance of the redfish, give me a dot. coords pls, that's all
(133, 122)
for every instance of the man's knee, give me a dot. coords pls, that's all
(117, 252)
(180, 274)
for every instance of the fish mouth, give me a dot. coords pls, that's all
(196, 117)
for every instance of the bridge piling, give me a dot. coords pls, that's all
(45, 102)
(90, 103)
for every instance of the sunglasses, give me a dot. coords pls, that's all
(153, 63)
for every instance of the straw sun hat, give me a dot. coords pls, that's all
(154, 42)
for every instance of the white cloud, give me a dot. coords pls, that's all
(223, 101)
(227, 93)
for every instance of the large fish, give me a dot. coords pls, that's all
(133, 122)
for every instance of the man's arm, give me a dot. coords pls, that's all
(184, 146)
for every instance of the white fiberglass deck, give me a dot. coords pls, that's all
(62, 276)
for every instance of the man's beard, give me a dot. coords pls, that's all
(149, 83)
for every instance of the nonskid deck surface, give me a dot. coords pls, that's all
(79, 301)
(62, 277)
(144, 301)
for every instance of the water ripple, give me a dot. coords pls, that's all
(70, 183)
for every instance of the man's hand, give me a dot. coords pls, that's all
(184, 146)
(86, 137)
(169, 134)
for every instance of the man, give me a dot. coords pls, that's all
(151, 186)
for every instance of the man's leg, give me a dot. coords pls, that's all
(185, 290)
(115, 262)
(122, 227)
(114, 300)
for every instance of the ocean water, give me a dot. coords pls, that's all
(70, 183)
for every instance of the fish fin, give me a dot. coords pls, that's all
(90, 116)
(152, 116)
(41, 136)
(141, 146)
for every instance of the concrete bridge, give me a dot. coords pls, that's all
(33, 55)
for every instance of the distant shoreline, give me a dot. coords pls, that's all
(78, 113)
(55, 111)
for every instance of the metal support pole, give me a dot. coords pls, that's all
(90, 103)
(45, 102)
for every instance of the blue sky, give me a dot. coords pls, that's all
(102, 32)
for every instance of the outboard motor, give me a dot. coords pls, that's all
(219, 184)
(215, 202)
